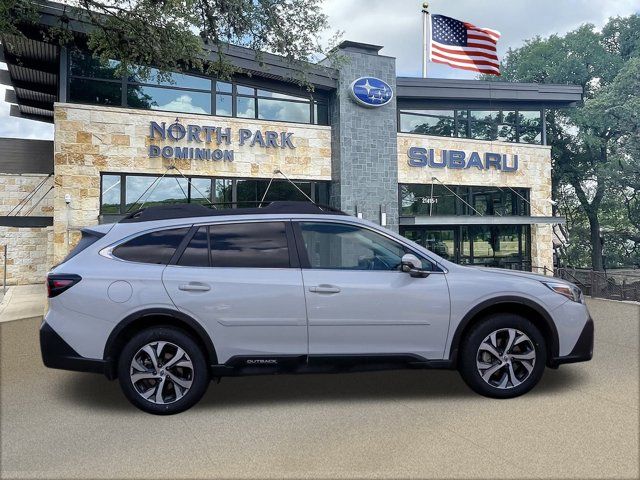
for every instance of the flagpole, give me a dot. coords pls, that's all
(425, 37)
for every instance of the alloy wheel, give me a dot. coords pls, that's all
(161, 372)
(506, 358)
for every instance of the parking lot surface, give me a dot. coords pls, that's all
(581, 421)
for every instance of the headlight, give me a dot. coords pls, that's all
(570, 291)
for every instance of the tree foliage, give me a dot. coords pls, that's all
(595, 147)
(174, 35)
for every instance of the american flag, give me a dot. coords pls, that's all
(463, 45)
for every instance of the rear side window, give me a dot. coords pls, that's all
(197, 252)
(249, 245)
(88, 238)
(155, 247)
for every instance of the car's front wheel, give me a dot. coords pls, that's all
(503, 356)
(163, 371)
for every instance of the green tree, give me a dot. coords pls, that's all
(175, 35)
(592, 145)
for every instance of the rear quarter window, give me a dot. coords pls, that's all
(155, 247)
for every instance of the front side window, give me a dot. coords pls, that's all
(347, 247)
(155, 247)
(249, 245)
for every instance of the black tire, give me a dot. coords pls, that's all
(512, 367)
(177, 398)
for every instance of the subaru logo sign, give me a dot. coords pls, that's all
(371, 92)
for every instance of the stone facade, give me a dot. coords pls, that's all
(364, 142)
(28, 249)
(534, 173)
(89, 140)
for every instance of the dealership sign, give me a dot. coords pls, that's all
(370, 92)
(198, 135)
(458, 159)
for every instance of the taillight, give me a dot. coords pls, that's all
(58, 283)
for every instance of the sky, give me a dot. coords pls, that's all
(397, 25)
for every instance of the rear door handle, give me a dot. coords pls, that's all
(324, 289)
(194, 287)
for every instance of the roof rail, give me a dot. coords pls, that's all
(187, 210)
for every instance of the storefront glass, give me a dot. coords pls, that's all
(92, 82)
(504, 125)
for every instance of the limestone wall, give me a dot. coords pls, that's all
(29, 250)
(534, 173)
(92, 139)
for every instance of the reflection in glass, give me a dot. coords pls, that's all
(156, 98)
(83, 64)
(224, 87)
(428, 122)
(223, 105)
(242, 90)
(150, 191)
(110, 201)
(201, 191)
(282, 110)
(283, 96)
(245, 107)
(95, 92)
(223, 192)
(169, 79)
(530, 128)
(321, 113)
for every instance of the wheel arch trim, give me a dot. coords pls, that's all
(176, 316)
(476, 312)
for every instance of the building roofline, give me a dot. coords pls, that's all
(544, 94)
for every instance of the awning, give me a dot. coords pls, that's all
(480, 220)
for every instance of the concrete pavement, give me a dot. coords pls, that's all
(23, 301)
(580, 422)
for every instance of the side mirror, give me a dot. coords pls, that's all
(413, 266)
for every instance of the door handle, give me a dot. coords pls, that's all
(324, 289)
(194, 287)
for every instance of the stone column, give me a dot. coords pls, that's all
(364, 140)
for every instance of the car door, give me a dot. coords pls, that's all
(242, 282)
(360, 302)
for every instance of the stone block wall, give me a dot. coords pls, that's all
(89, 140)
(29, 250)
(534, 173)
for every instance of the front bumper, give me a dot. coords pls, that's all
(56, 353)
(583, 349)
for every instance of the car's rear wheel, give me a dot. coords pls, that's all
(163, 371)
(503, 356)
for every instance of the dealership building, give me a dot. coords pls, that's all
(459, 166)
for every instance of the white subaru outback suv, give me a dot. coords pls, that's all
(171, 297)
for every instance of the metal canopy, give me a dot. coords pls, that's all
(32, 72)
(469, 93)
(480, 220)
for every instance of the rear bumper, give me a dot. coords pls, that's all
(583, 349)
(56, 353)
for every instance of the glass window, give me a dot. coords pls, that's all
(223, 192)
(282, 96)
(83, 64)
(283, 190)
(246, 193)
(224, 105)
(419, 200)
(95, 92)
(197, 252)
(286, 111)
(157, 98)
(110, 201)
(530, 127)
(428, 122)
(347, 247)
(224, 87)
(149, 190)
(250, 245)
(170, 79)
(245, 107)
(155, 247)
(321, 113)
(242, 90)
(322, 193)
(440, 242)
(201, 191)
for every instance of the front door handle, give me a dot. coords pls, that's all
(324, 288)
(194, 287)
